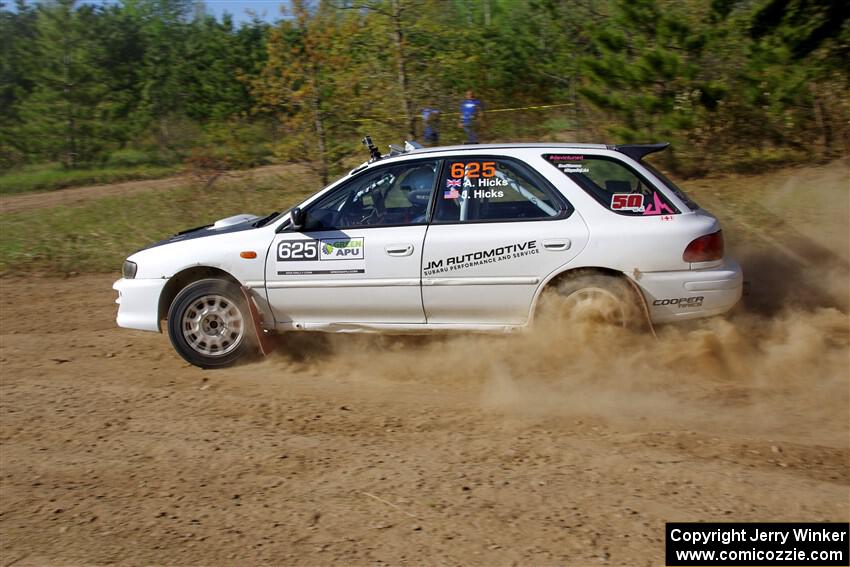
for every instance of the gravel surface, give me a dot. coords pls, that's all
(567, 446)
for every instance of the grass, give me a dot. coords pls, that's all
(98, 235)
(46, 177)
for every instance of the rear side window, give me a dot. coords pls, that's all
(680, 193)
(490, 189)
(615, 185)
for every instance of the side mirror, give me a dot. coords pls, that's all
(297, 216)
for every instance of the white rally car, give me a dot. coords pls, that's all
(447, 238)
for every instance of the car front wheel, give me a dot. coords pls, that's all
(209, 324)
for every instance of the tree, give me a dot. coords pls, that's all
(397, 14)
(796, 77)
(164, 28)
(647, 75)
(80, 81)
(64, 115)
(17, 35)
(302, 84)
(643, 69)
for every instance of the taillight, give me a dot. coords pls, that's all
(705, 248)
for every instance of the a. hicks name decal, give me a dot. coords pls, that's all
(480, 258)
(326, 249)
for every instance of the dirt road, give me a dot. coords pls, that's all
(114, 451)
(570, 446)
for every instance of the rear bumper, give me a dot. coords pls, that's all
(690, 294)
(138, 303)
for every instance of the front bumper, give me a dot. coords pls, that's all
(138, 303)
(690, 294)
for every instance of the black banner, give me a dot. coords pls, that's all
(763, 544)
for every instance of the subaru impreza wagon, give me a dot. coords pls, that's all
(464, 238)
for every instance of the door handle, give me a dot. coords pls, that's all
(399, 249)
(557, 244)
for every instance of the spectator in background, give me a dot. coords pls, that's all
(471, 116)
(431, 122)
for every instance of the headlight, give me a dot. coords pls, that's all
(128, 270)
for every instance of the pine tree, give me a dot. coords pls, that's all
(164, 26)
(796, 77)
(17, 35)
(64, 116)
(644, 69)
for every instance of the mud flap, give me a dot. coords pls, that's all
(644, 307)
(266, 341)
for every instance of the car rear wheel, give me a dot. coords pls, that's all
(596, 298)
(209, 324)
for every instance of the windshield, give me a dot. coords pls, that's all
(672, 186)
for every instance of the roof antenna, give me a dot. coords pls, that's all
(374, 153)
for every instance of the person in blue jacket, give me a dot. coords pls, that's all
(431, 123)
(471, 115)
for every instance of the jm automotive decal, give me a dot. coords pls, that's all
(314, 250)
(481, 258)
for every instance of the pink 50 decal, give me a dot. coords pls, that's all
(634, 202)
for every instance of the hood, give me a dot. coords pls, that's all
(236, 223)
(232, 221)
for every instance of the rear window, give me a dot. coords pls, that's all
(616, 186)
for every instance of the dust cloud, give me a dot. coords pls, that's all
(767, 364)
(779, 363)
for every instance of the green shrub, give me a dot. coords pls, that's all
(129, 157)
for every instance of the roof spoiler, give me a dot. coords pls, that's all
(638, 151)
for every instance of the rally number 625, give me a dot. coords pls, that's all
(473, 169)
(289, 250)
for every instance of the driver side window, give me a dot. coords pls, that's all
(393, 195)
